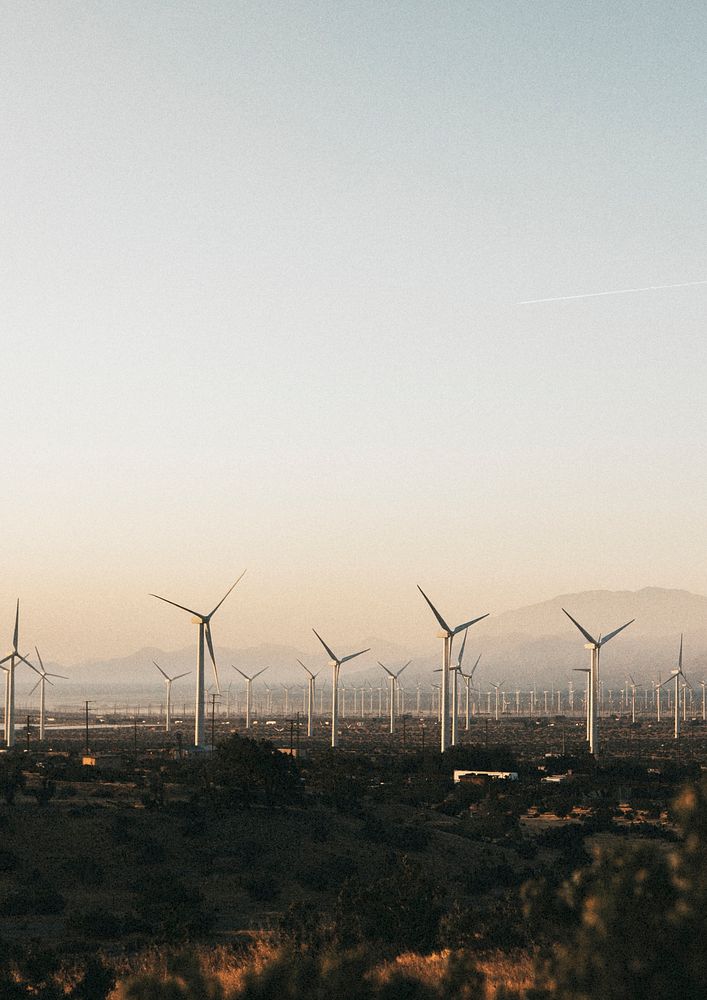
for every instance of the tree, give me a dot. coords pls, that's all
(634, 922)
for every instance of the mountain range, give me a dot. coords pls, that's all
(533, 644)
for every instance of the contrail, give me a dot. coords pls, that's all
(615, 291)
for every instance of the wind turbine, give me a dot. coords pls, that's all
(468, 678)
(393, 689)
(594, 646)
(675, 675)
(633, 698)
(168, 681)
(497, 688)
(311, 693)
(335, 663)
(249, 692)
(43, 677)
(13, 655)
(447, 634)
(204, 623)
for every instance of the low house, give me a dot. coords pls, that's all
(478, 777)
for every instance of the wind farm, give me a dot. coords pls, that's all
(401, 306)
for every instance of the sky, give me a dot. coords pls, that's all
(260, 270)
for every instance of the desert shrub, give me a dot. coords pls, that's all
(171, 910)
(12, 780)
(242, 768)
(263, 888)
(38, 897)
(44, 792)
(95, 924)
(401, 836)
(151, 852)
(387, 911)
(84, 870)
(8, 861)
(327, 872)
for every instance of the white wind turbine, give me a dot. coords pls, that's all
(311, 695)
(204, 623)
(468, 679)
(497, 688)
(393, 689)
(249, 692)
(335, 663)
(13, 655)
(594, 646)
(43, 678)
(447, 634)
(169, 681)
(633, 698)
(675, 675)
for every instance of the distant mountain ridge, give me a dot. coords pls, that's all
(536, 643)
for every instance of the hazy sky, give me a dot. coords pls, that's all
(260, 272)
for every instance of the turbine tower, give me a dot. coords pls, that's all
(168, 681)
(393, 689)
(311, 694)
(594, 646)
(249, 692)
(335, 663)
(447, 634)
(13, 655)
(43, 678)
(204, 623)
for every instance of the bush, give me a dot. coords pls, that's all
(40, 898)
(96, 924)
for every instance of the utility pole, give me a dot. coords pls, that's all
(87, 704)
(28, 732)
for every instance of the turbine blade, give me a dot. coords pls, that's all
(162, 671)
(259, 673)
(40, 662)
(461, 628)
(352, 656)
(186, 674)
(332, 655)
(616, 631)
(175, 605)
(389, 672)
(461, 650)
(16, 633)
(35, 687)
(475, 665)
(61, 676)
(210, 644)
(306, 669)
(25, 660)
(680, 656)
(435, 612)
(584, 632)
(241, 673)
(226, 595)
(403, 668)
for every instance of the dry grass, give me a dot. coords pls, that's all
(509, 971)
